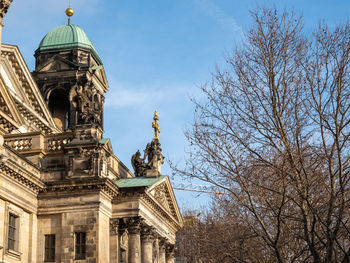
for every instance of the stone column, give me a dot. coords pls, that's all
(170, 253)
(113, 240)
(134, 228)
(147, 238)
(162, 243)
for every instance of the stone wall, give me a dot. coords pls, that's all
(18, 201)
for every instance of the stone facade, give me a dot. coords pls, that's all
(64, 195)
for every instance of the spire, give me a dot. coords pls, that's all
(69, 13)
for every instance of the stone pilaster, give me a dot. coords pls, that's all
(170, 253)
(134, 229)
(147, 239)
(113, 240)
(162, 244)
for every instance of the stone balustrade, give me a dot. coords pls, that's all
(20, 144)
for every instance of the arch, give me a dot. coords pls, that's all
(59, 107)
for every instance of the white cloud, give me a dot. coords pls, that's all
(123, 95)
(217, 13)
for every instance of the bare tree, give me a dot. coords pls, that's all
(217, 235)
(273, 133)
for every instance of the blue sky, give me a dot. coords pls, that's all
(156, 54)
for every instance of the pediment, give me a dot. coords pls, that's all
(21, 98)
(9, 114)
(57, 63)
(107, 144)
(163, 194)
(100, 74)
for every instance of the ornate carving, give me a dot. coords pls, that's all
(32, 119)
(4, 5)
(124, 239)
(113, 226)
(87, 103)
(162, 242)
(134, 225)
(35, 115)
(20, 144)
(171, 218)
(139, 164)
(20, 173)
(56, 144)
(155, 159)
(4, 107)
(103, 184)
(170, 250)
(155, 250)
(160, 194)
(6, 125)
(147, 233)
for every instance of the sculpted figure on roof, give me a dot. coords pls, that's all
(4, 5)
(154, 157)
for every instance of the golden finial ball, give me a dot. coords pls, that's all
(69, 12)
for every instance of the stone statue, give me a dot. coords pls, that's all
(153, 154)
(4, 5)
(138, 164)
(88, 112)
(154, 157)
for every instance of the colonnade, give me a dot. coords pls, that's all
(144, 244)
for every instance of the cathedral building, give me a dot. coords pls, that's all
(64, 195)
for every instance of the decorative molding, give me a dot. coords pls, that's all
(157, 207)
(162, 195)
(170, 250)
(134, 225)
(19, 173)
(32, 118)
(32, 107)
(105, 185)
(147, 234)
(162, 242)
(113, 226)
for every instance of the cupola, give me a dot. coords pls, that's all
(70, 76)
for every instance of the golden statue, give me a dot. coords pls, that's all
(155, 126)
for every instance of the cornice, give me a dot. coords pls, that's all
(101, 184)
(20, 174)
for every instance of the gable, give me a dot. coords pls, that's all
(21, 99)
(57, 63)
(163, 194)
(9, 115)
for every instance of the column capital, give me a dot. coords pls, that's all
(134, 225)
(162, 242)
(113, 226)
(170, 250)
(147, 233)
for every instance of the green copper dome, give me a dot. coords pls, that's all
(67, 37)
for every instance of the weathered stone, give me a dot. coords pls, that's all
(59, 176)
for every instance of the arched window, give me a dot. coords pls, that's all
(59, 107)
